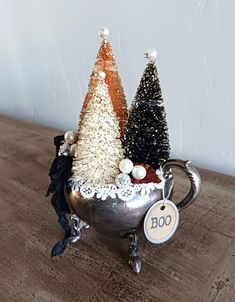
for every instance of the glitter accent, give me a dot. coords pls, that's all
(64, 149)
(149, 87)
(123, 180)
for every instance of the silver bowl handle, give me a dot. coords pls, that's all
(191, 172)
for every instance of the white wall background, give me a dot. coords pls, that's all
(48, 48)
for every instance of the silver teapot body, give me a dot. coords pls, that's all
(118, 218)
(112, 216)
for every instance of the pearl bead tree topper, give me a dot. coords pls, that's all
(104, 33)
(101, 75)
(151, 54)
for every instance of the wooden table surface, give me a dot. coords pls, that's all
(198, 264)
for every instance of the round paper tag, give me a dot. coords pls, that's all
(161, 221)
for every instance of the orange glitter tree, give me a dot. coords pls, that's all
(105, 62)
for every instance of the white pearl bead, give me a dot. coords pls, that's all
(139, 172)
(151, 54)
(101, 75)
(104, 33)
(70, 137)
(126, 166)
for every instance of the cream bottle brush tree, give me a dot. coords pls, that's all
(99, 148)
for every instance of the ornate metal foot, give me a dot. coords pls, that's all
(134, 258)
(76, 226)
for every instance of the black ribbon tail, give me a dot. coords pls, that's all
(58, 202)
(59, 173)
(59, 247)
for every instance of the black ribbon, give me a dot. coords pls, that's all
(59, 173)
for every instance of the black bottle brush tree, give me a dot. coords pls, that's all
(146, 138)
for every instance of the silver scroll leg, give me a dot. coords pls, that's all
(76, 226)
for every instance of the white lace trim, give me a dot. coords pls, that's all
(126, 193)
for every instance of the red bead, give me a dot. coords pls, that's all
(150, 175)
